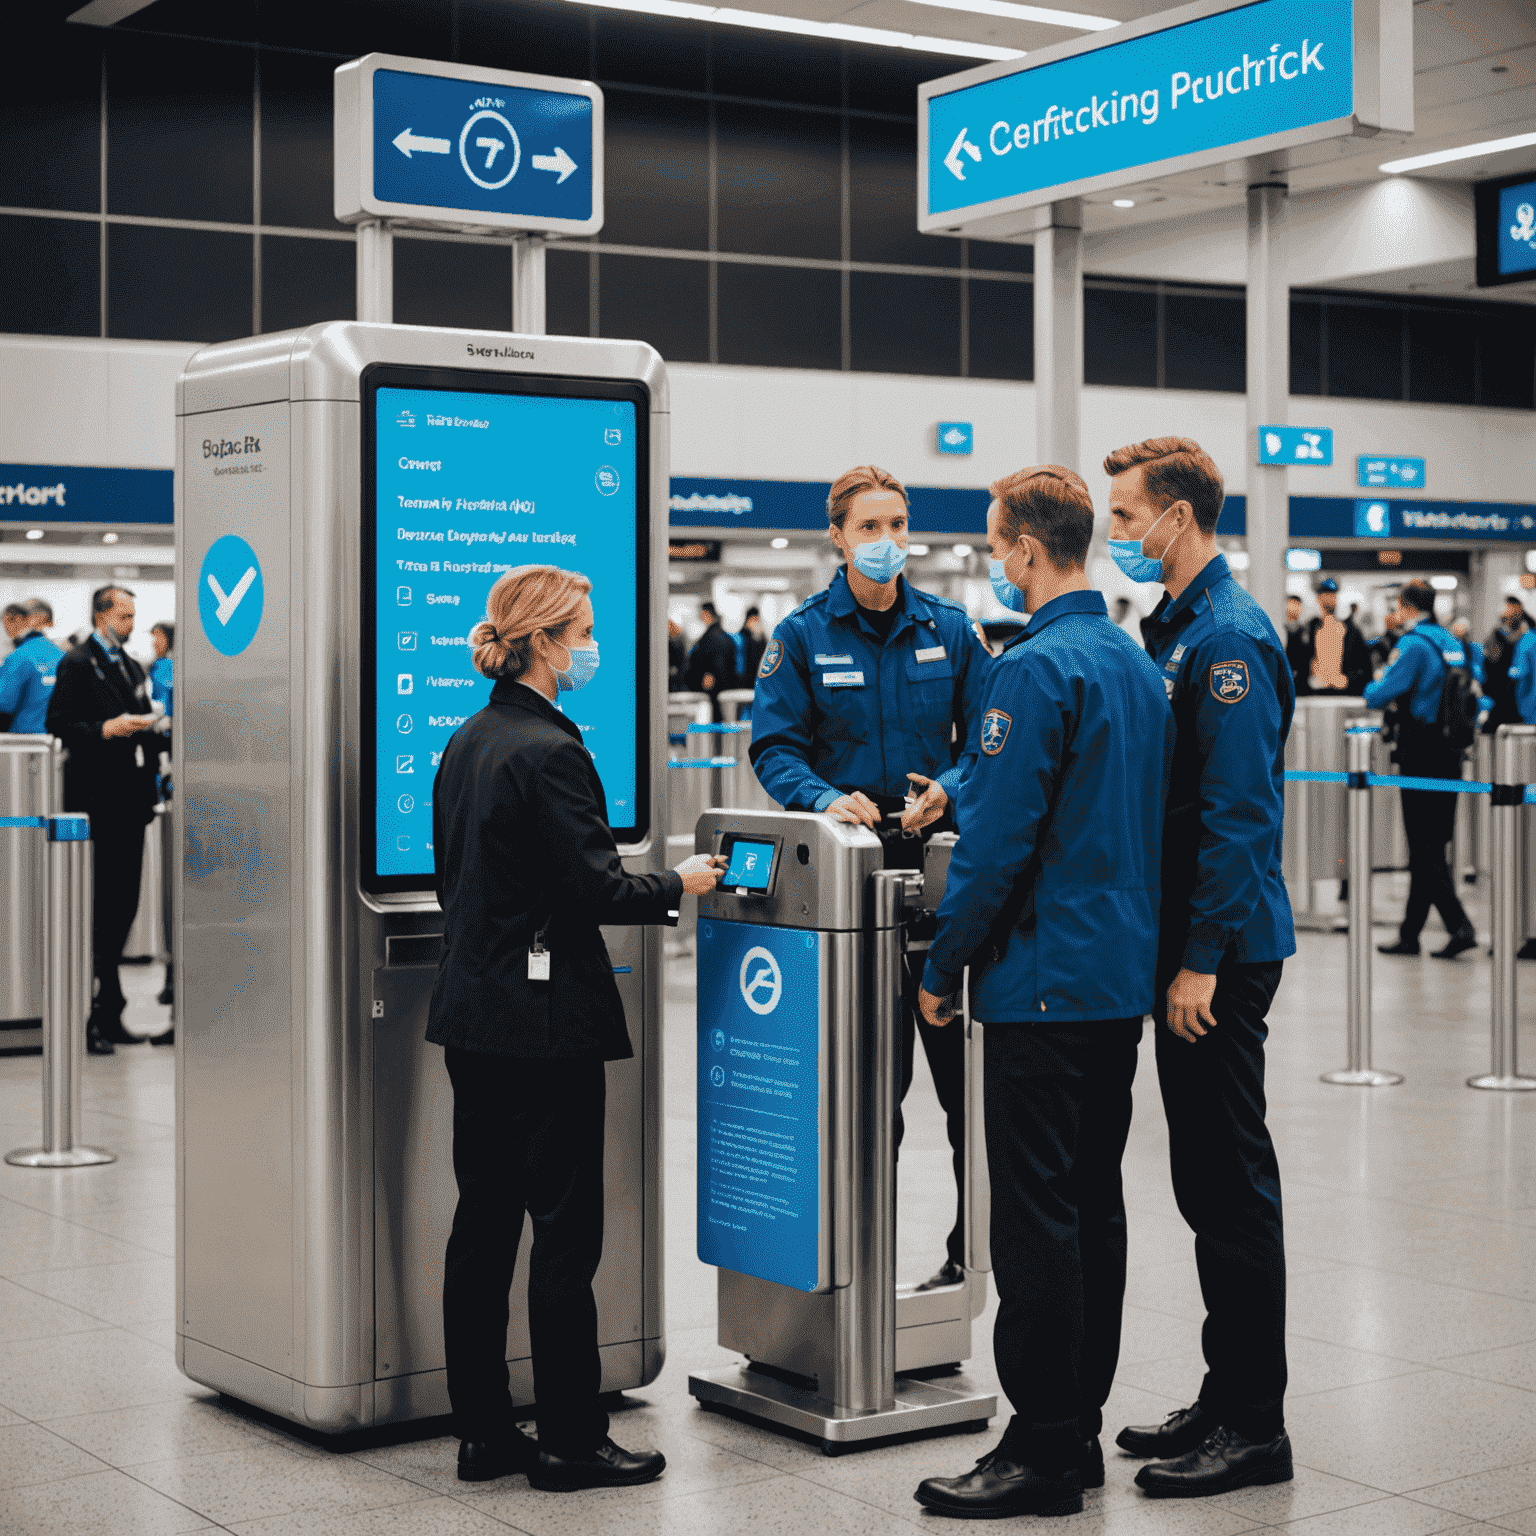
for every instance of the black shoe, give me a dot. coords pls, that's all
(1181, 1431)
(1224, 1461)
(1463, 939)
(606, 1467)
(1527, 951)
(1090, 1463)
(950, 1274)
(166, 996)
(169, 1038)
(111, 1030)
(482, 1461)
(997, 1489)
(95, 1044)
(1400, 948)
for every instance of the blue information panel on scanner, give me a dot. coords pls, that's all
(467, 484)
(759, 1101)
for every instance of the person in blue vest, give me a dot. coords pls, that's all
(27, 675)
(1052, 901)
(1225, 934)
(162, 670)
(1414, 678)
(860, 697)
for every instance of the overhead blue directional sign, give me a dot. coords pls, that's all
(1398, 470)
(1296, 445)
(445, 144)
(1204, 84)
(956, 437)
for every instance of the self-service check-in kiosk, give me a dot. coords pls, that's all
(799, 1009)
(346, 497)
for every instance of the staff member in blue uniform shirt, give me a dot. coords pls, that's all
(1052, 901)
(28, 674)
(1225, 931)
(1415, 675)
(858, 698)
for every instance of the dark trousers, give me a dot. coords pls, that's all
(117, 867)
(1226, 1180)
(527, 1137)
(1058, 1105)
(945, 1050)
(1429, 820)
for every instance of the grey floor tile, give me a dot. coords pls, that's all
(1146, 1517)
(1308, 1494)
(1384, 1517)
(24, 1314)
(88, 1373)
(431, 1517)
(127, 1437)
(47, 1242)
(30, 1454)
(119, 1294)
(152, 1228)
(1486, 1495)
(1514, 1365)
(98, 1504)
(161, 1333)
(1522, 1521)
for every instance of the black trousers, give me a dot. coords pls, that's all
(1226, 1180)
(1430, 821)
(117, 867)
(1058, 1103)
(945, 1050)
(527, 1137)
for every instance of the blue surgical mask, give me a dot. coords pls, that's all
(881, 561)
(581, 671)
(1003, 589)
(1127, 554)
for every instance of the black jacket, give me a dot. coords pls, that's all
(113, 782)
(715, 655)
(521, 843)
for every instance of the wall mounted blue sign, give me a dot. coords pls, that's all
(1517, 230)
(1398, 471)
(68, 493)
(802, 504)
(956, 437)
(230, 595)
(759, 1103)
(1296, 445)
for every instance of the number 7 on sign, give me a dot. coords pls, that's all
(493, 147)
(227, 605)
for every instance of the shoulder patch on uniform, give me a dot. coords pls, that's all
(995, 725)
(771, 658)
(1229, 681)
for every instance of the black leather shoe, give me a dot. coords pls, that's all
(1090, 1464)
(1463, 939)
(1400, 948)
(169, 1038)
(950, 1274)
(482, 1461)
(607, 1467)
(1527, 951)
(95, 1045)
(1181, 1431)
(998, 1489)
(1222, 1462)
(111, 1030)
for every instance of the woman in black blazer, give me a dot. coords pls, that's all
(527, 1011)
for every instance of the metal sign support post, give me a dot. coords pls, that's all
(1360, 1073)
(1058, 333)
(1269, 391)
(376, 272)
(528, 310)
(1514, 766)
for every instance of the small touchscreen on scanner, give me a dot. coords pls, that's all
(751, 866)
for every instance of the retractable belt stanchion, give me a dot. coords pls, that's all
(67, 995)
(1358, 740)
(1514, 767)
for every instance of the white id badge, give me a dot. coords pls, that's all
(932, 653)
(538, 959)
(138, 757)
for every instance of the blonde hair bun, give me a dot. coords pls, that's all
(527, 599)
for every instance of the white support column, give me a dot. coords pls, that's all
(1269, 395)
(375, 272)
(528, 310)
(1058, 334)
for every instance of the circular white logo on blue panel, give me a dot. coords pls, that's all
(494, 150)
(762, 984)
(230, 595)
(717, 1076)
(717, 1039)
(606, 480)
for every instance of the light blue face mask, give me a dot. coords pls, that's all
(881, 561)
(1003, 589)
(581, 671)
(1126, 553)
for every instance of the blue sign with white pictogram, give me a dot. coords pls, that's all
(1373, 520)
(956, 437)
(230, 595)
(1296, 445)
(1517, 229)
(1373, 469)
(759, 1102)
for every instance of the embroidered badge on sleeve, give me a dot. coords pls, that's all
(1229, 681)
(995, 725)
(771, 658)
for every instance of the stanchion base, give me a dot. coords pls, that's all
(920, 1407)
(1502, 1084)
(1368, 1077)
(76, 1157)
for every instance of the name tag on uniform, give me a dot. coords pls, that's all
(932, 653)
(538, 959)
(138, 757)
(834, 661)
(842, 679)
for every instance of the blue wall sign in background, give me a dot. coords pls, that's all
(1296, 445)
(230, 596)
(759, 1102)
(956, 437)
(1108, 115)
(1397, 471)
(68, 493)
(1517, 229)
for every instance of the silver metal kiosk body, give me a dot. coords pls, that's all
(799, 1013)
(31, 787)
(346, 496)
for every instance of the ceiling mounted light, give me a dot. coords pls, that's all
(1466, 152)
(835, 31)
(917, 549)
(109, 538)
(34, 533)
(1125, 202)
(963, 550)
(1015, 12)
(778, 543)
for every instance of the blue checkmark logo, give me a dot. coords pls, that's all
(230, 597)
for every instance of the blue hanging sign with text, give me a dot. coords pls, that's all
(1373, 469)
(1311, 446)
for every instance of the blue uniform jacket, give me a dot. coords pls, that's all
(835, 711)
(162, 682)
(1232, 693)
(1052, 896)
(26, 683)
(1522, 676)
(1418, 669)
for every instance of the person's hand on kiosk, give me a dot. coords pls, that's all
(857, 808)
(937, 1010)
(925, 806)
(126, 725)
(701, 874)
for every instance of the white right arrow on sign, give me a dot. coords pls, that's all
(559, 161)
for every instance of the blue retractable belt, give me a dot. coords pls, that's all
(701, 762)
(69, 829)
(724, 728)
(1401, 781)
(21, 821)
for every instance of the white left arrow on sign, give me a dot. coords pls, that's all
(952, 159)
(405, 141)
(559, 161)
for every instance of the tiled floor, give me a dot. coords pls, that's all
(1412, 1234)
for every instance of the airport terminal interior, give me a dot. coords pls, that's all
(316, 319)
